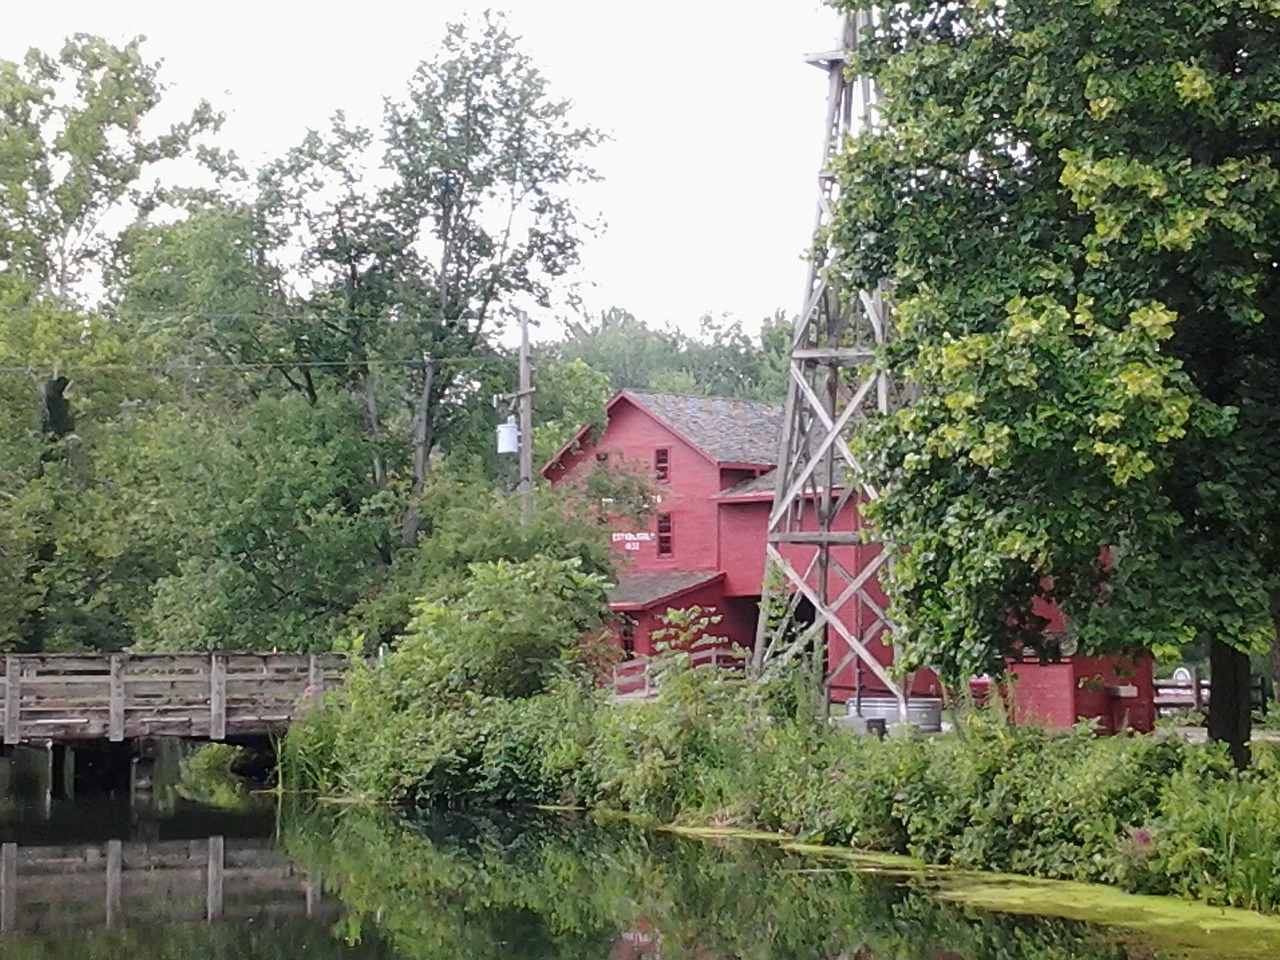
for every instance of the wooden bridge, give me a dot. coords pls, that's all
(171, 881)
(122, 696)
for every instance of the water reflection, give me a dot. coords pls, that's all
(142, 881)
(100, 869)
(550, 888)
(123, 877)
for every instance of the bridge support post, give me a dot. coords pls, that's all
(12, 700)
(115, 871)
(8, 886)
(217, 860)
(218, 697)
(315, 679)
(65, 760)
(115, 701)
(44, 774)
(142, 770)
(314, 892)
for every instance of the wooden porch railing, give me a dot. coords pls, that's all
(634, 679)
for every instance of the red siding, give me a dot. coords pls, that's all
(1086, 688)
(728, 535)
(710, 598)
(631, 438)
(741, 531)
(714, 534)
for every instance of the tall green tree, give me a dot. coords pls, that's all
(73, 151)
(570, 395)
(721, 359)
(377, 263)
(238, 458)
(1077, 205)
(76, 144)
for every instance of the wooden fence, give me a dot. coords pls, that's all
(173, 881)
(120, 696)
(635, 679)
(1193, 694)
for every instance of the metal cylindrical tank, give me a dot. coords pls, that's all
(923, 713)
(508, 437)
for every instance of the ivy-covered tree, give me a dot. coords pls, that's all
(68, 389)
(77, 142)
(1076, 204)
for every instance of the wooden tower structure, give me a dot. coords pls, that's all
(817, 557)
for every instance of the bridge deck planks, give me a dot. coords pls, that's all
(120, 696)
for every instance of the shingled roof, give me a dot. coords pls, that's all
(728, 431)
(642, 590)
(755, 486)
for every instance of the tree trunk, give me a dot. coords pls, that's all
(56, 422)
(1275, 650)
(56, 419)
(369, 393)
(421, 457)
(1230, 719)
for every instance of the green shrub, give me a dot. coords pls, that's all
(1218, 837)
(684, 754)
(460, 711)
(486, 701)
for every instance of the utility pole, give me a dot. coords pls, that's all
(524, 397)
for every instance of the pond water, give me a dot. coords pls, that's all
(157, 877)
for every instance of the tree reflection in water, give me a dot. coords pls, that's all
(562, 889)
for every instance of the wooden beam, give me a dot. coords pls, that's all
(217, 861)
(315, 679)
(218, 697)
(115, 721)
(12, 700)
(816, 455)
(115, 872)
(812, 537)
(836, 355)
(8, 886)
(825, 615)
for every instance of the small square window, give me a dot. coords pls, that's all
(666, 537)
(662, 465)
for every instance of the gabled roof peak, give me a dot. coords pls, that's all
(725, 429)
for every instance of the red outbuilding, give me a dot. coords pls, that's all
(711, 462)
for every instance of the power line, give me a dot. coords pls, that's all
(445, 362)
(201, 315)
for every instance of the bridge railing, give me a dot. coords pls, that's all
(122, 696)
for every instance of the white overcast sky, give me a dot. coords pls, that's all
(716, 120)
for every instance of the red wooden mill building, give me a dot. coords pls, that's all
(711, 460)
